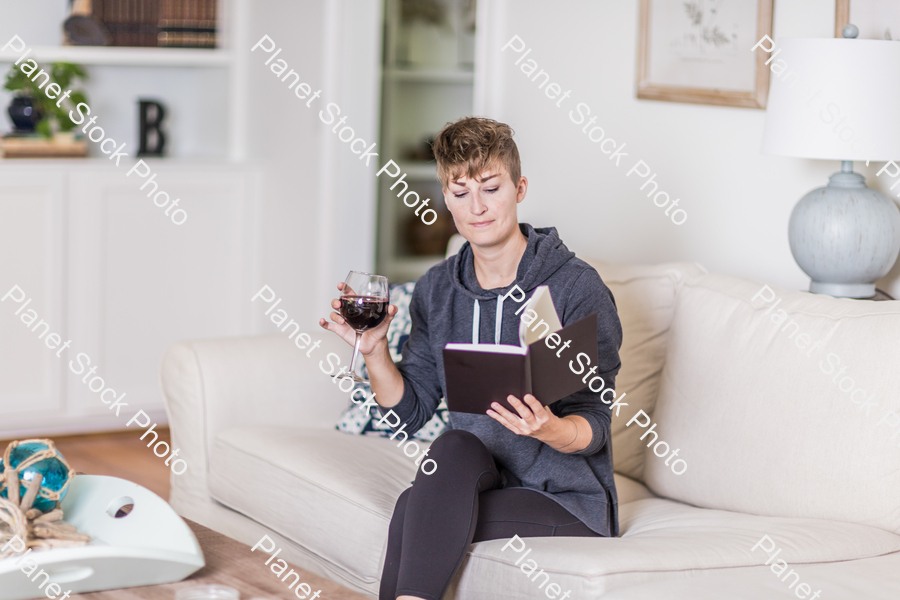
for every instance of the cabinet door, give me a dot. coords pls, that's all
(31, 260)
(139, 282)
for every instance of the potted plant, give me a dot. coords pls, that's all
(31, 109)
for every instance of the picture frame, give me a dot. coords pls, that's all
(698, 51)
(876, 19)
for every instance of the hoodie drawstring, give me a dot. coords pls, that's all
(476, 321)
(499, 319)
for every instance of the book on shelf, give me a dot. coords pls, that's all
(479, 374)
(169, 23)
(130, 22)
(187, 24)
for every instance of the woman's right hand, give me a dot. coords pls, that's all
(371, 339)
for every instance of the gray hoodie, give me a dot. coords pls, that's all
(448, 305)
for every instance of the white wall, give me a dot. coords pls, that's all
(286, 140)
(319, 212)
(738, 201)
(33, 20)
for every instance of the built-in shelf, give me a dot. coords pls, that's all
(410, 268)
(420, 170)
(427, 82)
(430, 75)
(121, 56)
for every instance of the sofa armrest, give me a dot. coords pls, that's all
(211, 385)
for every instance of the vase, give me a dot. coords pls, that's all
(24, 114)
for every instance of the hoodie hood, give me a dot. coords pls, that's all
(544, 255)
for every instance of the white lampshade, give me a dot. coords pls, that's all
(856, 80)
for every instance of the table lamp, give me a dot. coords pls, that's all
(837, 99)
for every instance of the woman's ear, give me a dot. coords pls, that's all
(521, 189)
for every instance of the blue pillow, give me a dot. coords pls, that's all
(365, 422)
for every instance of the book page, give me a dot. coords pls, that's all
(492, 348)
(541, 302)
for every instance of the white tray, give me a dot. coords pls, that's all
(151, 545)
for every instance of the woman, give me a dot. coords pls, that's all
(542, 471)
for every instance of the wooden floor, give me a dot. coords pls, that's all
(118, 454)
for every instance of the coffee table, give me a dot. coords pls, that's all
(229, 562)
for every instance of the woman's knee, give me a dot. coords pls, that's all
(400, 506)
(402, 500)
(461, 445)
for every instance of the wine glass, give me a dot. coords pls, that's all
(364, 303)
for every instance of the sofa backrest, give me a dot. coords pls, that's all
(789, 409)
(645, 299)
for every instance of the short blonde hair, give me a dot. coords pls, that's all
(472, 145)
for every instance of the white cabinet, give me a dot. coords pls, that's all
(112, 273)
(32, 242)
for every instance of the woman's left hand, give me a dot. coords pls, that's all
(533, 420)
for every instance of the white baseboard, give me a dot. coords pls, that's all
(62, 425)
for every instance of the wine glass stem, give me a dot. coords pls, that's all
(355, 351)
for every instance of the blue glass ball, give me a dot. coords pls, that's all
(54, 471)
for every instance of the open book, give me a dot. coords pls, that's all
(478, 374)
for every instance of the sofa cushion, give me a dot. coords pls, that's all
(871, 578)
(762, 424)
(645, 299)
(329, 492)
(333, 494)
(664, 540)
(324, 489)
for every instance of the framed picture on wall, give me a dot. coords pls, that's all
(698, 51)
(876, 19)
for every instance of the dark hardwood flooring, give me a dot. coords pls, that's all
(118, 454)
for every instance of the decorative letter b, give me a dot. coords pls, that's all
(151, 128)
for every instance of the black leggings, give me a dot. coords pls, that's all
(460, 503)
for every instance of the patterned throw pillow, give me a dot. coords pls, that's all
(357, 421)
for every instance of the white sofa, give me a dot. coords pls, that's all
(773, 448)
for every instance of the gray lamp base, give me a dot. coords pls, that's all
(843, 290)
(845, 236)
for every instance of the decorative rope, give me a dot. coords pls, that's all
(15, 520)
(18, 518)
(49, 452)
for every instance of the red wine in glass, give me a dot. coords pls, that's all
(364, 304)
(363, 312)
